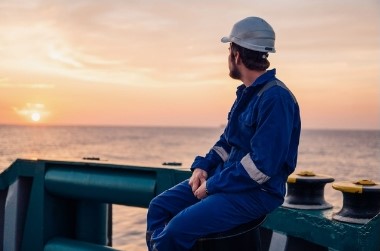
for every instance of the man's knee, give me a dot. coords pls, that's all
(154, 210)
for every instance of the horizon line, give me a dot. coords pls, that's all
(171, 126)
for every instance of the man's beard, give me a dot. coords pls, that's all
(234, 71)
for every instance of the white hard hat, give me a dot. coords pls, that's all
(253, 33)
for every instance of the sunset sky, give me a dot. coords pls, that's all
(161, 63)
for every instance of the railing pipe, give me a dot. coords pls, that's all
(126, 187)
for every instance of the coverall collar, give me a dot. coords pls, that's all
(262, 79)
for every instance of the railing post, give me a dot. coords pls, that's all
(15, 209)
(92, 222)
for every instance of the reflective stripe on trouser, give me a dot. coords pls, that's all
(176, 219)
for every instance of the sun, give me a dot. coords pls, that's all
(35, 116)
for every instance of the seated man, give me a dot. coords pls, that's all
(243, 176)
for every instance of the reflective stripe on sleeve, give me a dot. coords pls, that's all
(252, 170)
(221, 152)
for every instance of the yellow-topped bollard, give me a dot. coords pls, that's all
(306, 191)
(361, 201)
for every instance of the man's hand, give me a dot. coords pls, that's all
(198, 178)
(200, 193)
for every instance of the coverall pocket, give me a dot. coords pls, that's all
(246, 118)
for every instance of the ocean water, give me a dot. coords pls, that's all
(346, 155)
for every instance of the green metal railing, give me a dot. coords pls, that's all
(46, 204)
(65, 205)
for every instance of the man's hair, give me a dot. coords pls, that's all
(253, 60)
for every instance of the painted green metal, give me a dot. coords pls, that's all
(62, 244)
(111, 185)
(69, 199)
(317, 226)
(68, 207)
(92, 214)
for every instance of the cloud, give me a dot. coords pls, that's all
(6, 83)
(31, 108)
(26, 86)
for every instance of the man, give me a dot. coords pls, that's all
(243, 176)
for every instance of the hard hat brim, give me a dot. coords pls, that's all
(225, 40)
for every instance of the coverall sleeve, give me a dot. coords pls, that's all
(269, 148)
(217, 154)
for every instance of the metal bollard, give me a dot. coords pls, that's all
(361, 201)
(306, 191)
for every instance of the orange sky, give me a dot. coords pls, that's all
(111, 62)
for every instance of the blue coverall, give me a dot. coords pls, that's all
(247, 170)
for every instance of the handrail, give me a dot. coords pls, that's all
(103, 185)
(45, 204)
(44, 199)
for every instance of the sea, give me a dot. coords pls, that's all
(345, 155)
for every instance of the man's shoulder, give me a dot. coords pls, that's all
(275, 88)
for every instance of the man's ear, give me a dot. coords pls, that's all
(237, 57)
